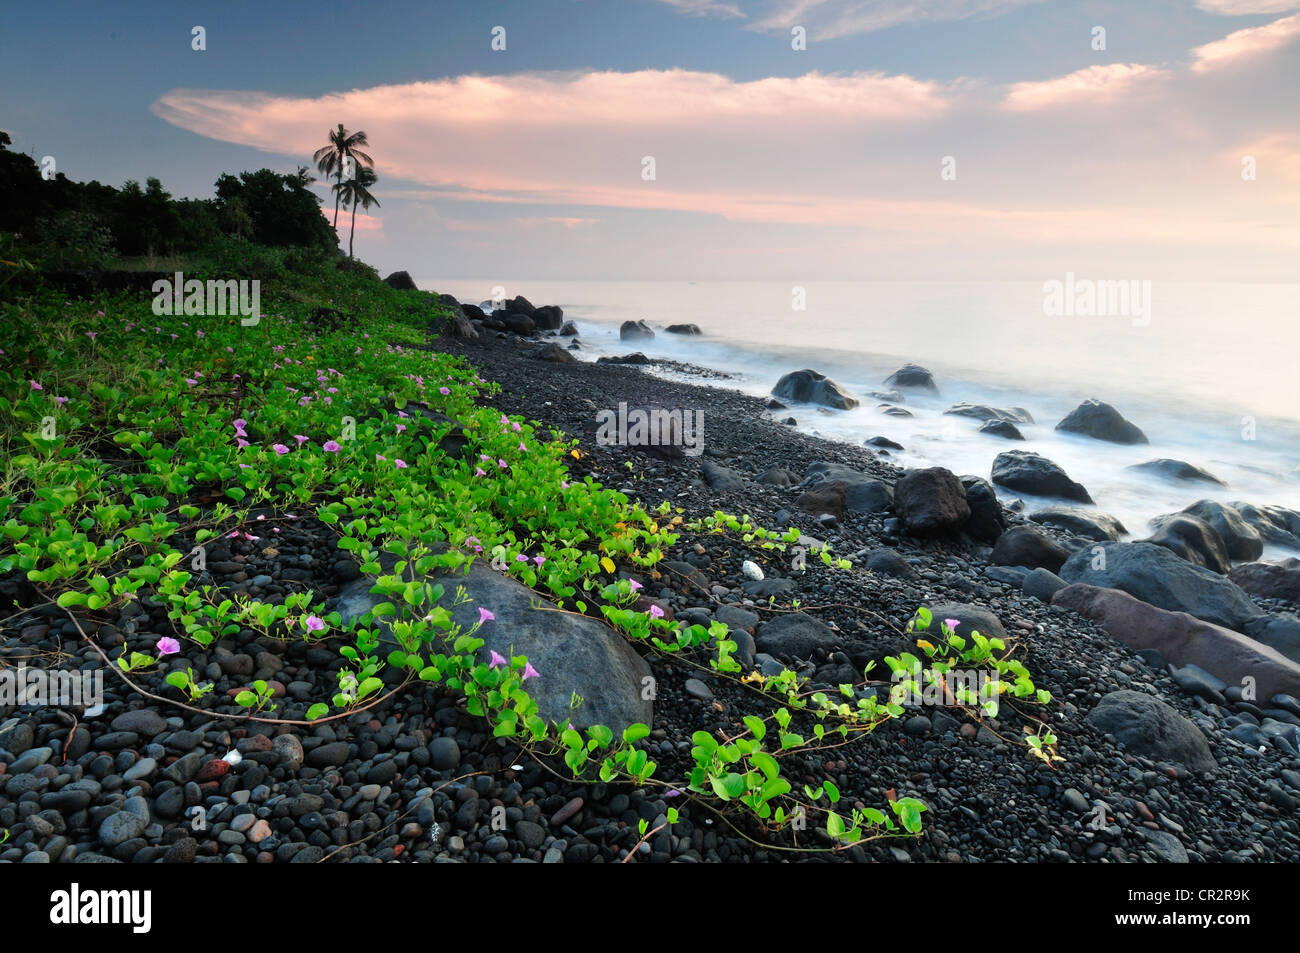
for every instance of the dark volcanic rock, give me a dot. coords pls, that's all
(987, 521)
(1090, 524)
(862, 493)
(683, 329)
(1028, 547)
(970, 619)
(1155, 575)
(1270, 580)
(570, 652)
(520, 324)
(1240, 538)
(549, 317)
(1016, 415)
(1027, 472)
(635, 331)
(1001, 428)
(931, 501)
(1151, 728)
(912, 375)
(1193, 539)
(555, 354)
(1182, 639)
(824, 498)
(1177, 470)
(1101, 421)
(813, 388)
(401, 280)
(795, 634)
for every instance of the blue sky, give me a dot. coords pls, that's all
(770, 162)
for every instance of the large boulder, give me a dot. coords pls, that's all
(473, 312)
(1101, 421)
(459, 326)
(914, 376)
(549, 317)
(401, 280)
(1193, 539)
(1155, 575)
(1183, 639)
(1001, 428)
(795, 635)
(1090, 524)
(1028, 547)
(969, 619)
(1027, 472)
(987, 521)
(931, 501)
(1042, 584)
(1016, 415)
(1271, 580)
(1241, 539)
(520, 305)
(812, 387)
(1150, 728)
(571, 652)
(1275, 524)
(862, 493)
(518, 323)
(722, 478)
(1280, 631)
(635, 331)
(691, 329)
(828, 497)
(555, 354)
(1177, 470)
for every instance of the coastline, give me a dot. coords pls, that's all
(1071, 656)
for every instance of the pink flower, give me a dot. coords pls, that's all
(280, 449)
(672, 792)
(380, 456)
(496, 660)
(444, 391)
(656, 612)
(93, 334)
(515, 426)
(314, 623)
(99, 313)
(168, 646)
(529, 671)
(331, 446)
(240, 423)
(522, 447)
(521, 558)
(401, 428)
(952, 624)
(484, 615)
(399, 463)
(564, 484)
(36, 386)
(539, 559)
(241, 442)
(634, 584)
(60, 401)
(501, 464)
(301, 438)
(190, 381)
(479, 471)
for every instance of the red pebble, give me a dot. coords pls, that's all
(214, 769)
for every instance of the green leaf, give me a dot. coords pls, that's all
(765, 763)
(756, 726)
(317, 710)
(635, 732)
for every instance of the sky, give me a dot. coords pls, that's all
(711, 139)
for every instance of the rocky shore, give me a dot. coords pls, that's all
(1174, 681)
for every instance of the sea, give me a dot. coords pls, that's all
(1208, 371)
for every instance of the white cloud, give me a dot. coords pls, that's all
(1094, 85)
(706, 8)
(1245, 45)
(1236, 8)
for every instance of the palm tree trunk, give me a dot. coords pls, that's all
(354, 228)
(336, 199)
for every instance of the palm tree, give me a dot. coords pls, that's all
(356, 192)
(303, 176)
(331, 159)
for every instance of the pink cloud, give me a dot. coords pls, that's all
(1093, 85)
(1245, 45)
